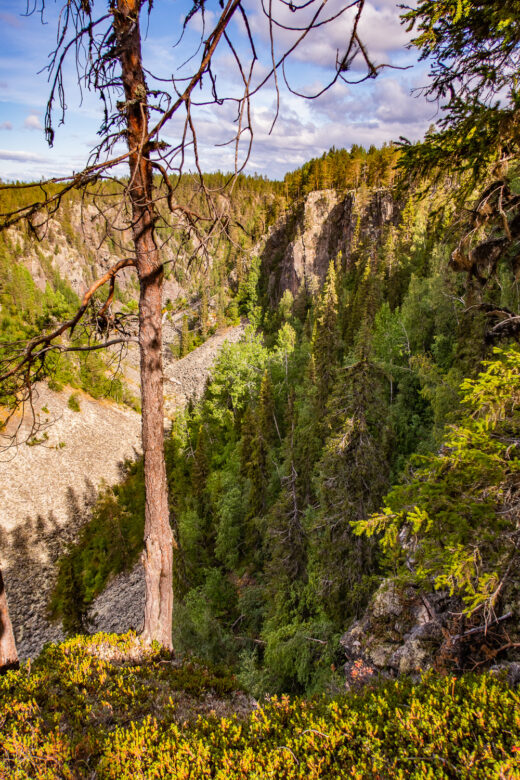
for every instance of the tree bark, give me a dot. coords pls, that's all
(158, 537)
(8, 653)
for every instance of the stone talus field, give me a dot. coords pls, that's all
(46, 491)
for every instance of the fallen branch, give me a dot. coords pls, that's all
(484, 628)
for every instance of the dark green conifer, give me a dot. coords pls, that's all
(185, 337)
(264, 437)
(74, 609)
(200, 471)
(286, 535)
(246, 441)
(352, 476)
(326, 339)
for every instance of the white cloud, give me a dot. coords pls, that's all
(377, 111)
(32, 122)
(380, 30)
(386, 100)
(202, 24)
(396, 103)
(6, 126)
(8, 154)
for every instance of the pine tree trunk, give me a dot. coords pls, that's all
(8, 654)
(158, 552)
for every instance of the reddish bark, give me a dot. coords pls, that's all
(158, 537)
(8, 654)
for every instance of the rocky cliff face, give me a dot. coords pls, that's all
(298, 249)
(75, 246)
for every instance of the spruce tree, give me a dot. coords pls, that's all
(200, 471)
(286, 539)
(75, 609)
(185, 337)
(326, 339)
(204, 318)
(352, 476)
(246, 441)
(264, 437)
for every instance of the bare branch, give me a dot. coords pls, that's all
(29, 352)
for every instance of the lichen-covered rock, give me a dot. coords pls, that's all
(387, 601)
(380, 654)
(400, 633)
(412, 657)
(407, 631)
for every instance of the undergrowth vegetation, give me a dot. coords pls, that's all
(105, 708)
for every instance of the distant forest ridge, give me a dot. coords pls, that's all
(335, 169)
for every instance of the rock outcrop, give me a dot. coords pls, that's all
(297, 251)
(405, 631)
(400, 633)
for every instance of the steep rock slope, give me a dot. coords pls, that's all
(298, 249)
(48, 481)
(46, 492)
(75, 246)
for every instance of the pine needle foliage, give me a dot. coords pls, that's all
(455, 518)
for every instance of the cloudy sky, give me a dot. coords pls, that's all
(373, 112)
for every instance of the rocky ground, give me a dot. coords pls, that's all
(406, 631)
(185, 378)
(48, 487)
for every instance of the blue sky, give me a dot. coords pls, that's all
(378, 110)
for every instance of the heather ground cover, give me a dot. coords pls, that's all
(102, 707)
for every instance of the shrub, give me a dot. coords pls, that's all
(106, 707)
(73, 403)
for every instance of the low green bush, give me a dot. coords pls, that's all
(73, 403)
(107, 708)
